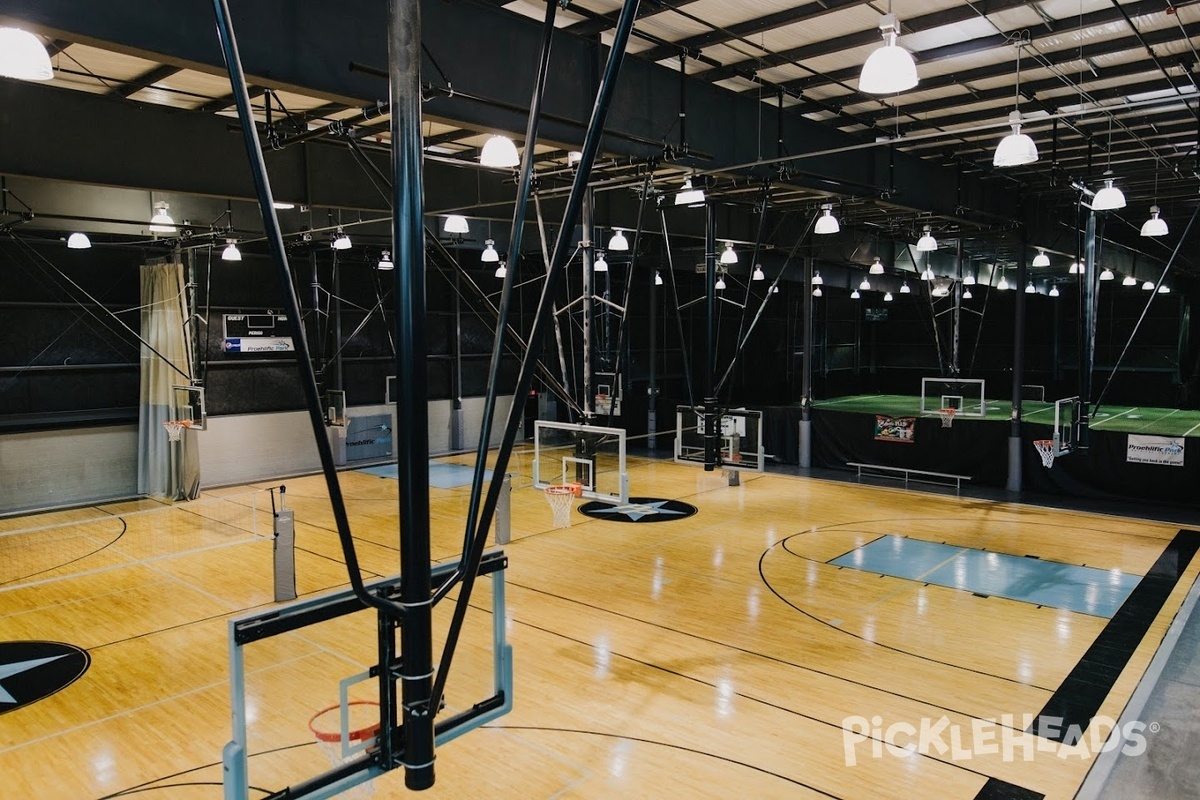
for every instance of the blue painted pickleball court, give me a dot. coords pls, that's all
(1087, 590)
(441, 474)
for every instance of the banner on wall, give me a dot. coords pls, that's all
(1155, 450)
(894, 429)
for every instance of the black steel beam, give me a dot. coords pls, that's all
(604, 22)
(222, 103)
(146, 79)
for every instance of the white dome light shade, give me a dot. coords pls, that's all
(1015, 149)
(1029, 288)
(1075, 269)
(758, 275)
(1041, 259)
(499, 151)
(231, 252)
(876, 267)
(1054, 291)
(618, 240)
(904, 288)
(502, 270)
(658, 281)
(774, 290)
(1164, 289)
(817, 292)
(826, 223)
(720, 284)
(489, 254)
(927, 275)
(1109, 198)
(890, 68)
(23, 56)
(855, 295)
(341, 241)
(1156, 225)
(887, 297)
(687, 196)
(385, 262)
(927, 243)
(941, 290)
(1107, 274)
(865, 285)
(817, 279)
(161, 222)
(967, 294)
(1003, 284)
(1129, 281)
(78, 241)
(728, 255)
(600, 265)
(1148, 286)
(969, 280)
(456, 223)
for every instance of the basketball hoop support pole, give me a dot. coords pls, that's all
(1013, 483)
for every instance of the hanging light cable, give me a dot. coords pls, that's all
(889, 69)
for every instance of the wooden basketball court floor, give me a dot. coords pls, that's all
(714, 656)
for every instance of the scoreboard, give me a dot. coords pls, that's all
(257, 333)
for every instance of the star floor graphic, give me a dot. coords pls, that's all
(31, 671)
(639, 509)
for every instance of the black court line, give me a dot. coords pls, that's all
(996, 789)
(1070, 709)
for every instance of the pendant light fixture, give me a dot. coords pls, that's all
(876, 267)
(890, 68)
(927, 243)
(928, 275)
(1075, 269)
(687, 196)
(967, 294)
(161, 222)
(774, 290)
(618, 240)
(1164, 289)
(1016, 148)
(456, 224)
(855, 295)
(1129, 281)
(887, 297)
(1110, 198)
(826, 223)
(1156, 225)
(817, 292)
(1041, 259)
(499, 151)
(720, 284)
(1029, 288)
(1054, 290)
(658, 281)
(502, 270)
(231, 252)
(79, 241)
(1107, 274)
(385, 262)
(758, 274)
(904, 288)
(600, 265)
(969, 279)
(729, 255)
(1148, 286)
(489, 254)
(865, 285)
(341, 241)
(1003, 284)
(23, 56)
(817, 280)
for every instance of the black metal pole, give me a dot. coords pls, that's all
(806, 365)
(563, 247)
(1088, 286)
(711, 440)
(1018, 373)
(274, 237)
(685, 355)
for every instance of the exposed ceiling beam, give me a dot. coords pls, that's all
(145, 80)
(222, 103)
(607, 21)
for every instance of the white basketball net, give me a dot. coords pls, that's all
(1045, 448)
(174, 429)
(947, 415)
(560, 499)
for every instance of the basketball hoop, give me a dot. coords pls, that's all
(174, 428)
(560, 499)
(339, 750)
(1045, 448)
(947, 415)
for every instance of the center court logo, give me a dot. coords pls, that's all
(1006, 737)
